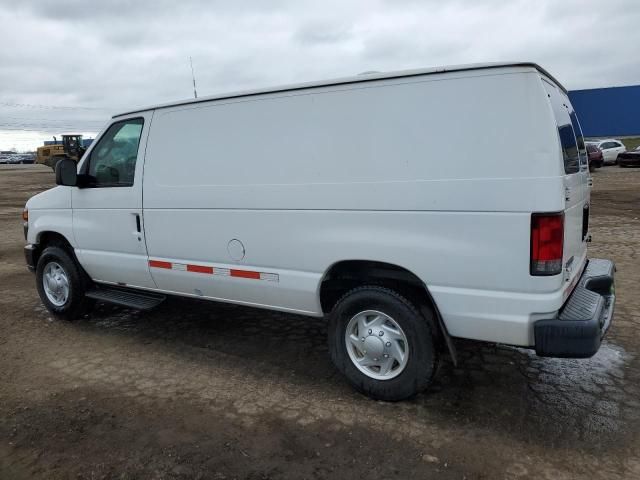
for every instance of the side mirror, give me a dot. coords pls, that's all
(66, 172)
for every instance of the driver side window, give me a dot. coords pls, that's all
(113, 159)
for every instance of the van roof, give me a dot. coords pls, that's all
(363, 77)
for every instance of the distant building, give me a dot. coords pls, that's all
(608, 112)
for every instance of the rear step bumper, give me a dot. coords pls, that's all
(126, 298)
(584, 318)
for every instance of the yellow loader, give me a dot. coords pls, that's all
(71, 147)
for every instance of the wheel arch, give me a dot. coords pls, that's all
(49, 238)
(342, 276)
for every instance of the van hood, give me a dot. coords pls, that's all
(55, 198)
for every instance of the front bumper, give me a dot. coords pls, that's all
(596, 162)
(30, 257)
(584, 318)
(629, 162)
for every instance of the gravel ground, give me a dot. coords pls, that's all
(203, 390)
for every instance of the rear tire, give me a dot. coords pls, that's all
(62, 284)
(398, 338)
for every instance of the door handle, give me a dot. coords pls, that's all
(138, 232)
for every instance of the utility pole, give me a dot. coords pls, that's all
(193, 76)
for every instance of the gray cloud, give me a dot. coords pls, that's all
(320, 33)
(117, 54)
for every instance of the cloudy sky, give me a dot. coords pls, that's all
(67, 65)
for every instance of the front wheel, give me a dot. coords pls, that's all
(382, 344)
(61, 284)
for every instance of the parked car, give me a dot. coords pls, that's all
(595, 156)
(611, 148)
(630, 159)
(332, 199)
(27, 158)
(10, 159)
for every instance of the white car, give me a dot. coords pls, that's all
(611, 148)
(331, 199)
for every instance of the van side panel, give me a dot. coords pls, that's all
(425, 173)
(352, 148)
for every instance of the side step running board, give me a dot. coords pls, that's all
(126, 298)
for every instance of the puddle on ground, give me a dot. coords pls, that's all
(590, 400)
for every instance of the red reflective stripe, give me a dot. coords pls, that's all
(159, 264)
(205, 269)
(245, 274)
(199, 269)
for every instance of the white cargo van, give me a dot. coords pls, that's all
(407, 207)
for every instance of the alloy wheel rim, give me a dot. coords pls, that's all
(56, 284)
(377, 345)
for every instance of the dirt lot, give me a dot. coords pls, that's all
(204, 390)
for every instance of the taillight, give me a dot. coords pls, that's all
(547, 238)
(25, 215)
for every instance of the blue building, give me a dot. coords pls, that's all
(608, 112)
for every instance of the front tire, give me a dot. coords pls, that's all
(383, 345)
(62, 284)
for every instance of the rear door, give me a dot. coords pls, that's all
(608, 152)
(576, 183)
(619, 148)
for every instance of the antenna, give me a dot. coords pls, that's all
(193, 76)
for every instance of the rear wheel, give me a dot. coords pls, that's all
(62, 284)
(382, 344)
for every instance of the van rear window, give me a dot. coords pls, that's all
(582, 151)
(570, 151)
(574, 150)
